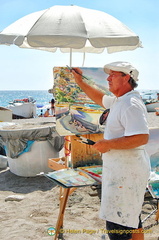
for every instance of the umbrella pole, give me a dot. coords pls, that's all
(70, 57)
(84, 55)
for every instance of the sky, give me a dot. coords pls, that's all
(26, 69)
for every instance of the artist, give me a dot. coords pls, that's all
(126, 164)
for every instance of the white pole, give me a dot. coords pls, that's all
(70, 57)
(84, 55)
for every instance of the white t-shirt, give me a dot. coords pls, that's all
(125, 172)
(127, 116)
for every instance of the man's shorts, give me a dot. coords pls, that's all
(119, 232)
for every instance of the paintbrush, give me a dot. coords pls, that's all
(85, 140)
(70, 68)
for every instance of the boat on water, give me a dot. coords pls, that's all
(151, 100)
(151, 105)
(23, 108)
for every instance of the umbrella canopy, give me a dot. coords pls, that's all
(70, 27)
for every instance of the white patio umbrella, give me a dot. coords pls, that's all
(70, 28)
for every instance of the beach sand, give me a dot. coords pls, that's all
(30, 206)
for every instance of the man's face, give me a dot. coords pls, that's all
(116, 81)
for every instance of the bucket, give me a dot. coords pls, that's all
(31, 163)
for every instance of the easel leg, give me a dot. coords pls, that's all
(157, 214)
(64, 193)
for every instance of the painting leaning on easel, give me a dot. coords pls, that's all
(75, 112)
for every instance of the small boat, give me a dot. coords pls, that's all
(23, 108)
(151, 100)
(151, 105)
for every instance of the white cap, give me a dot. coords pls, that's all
(124, 67)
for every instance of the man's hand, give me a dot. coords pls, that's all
(77, 72)
(102, 146)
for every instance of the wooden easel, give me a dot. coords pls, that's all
(76, 154)
(64, 194)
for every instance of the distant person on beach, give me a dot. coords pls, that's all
(47, 113)
(53, 106)
(126, 165)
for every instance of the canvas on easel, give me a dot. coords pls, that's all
(75, 112)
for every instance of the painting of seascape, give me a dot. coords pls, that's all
(75, 112)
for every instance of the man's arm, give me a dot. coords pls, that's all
(91, 92)
(127, 142)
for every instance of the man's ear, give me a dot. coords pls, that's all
(127, 77)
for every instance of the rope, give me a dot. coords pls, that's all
(67, 151)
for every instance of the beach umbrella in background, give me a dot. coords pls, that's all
(70, 28)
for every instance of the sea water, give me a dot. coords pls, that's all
(42, 97)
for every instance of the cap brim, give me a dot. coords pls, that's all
(107, 70)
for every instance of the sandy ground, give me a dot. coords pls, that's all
(30, 206)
